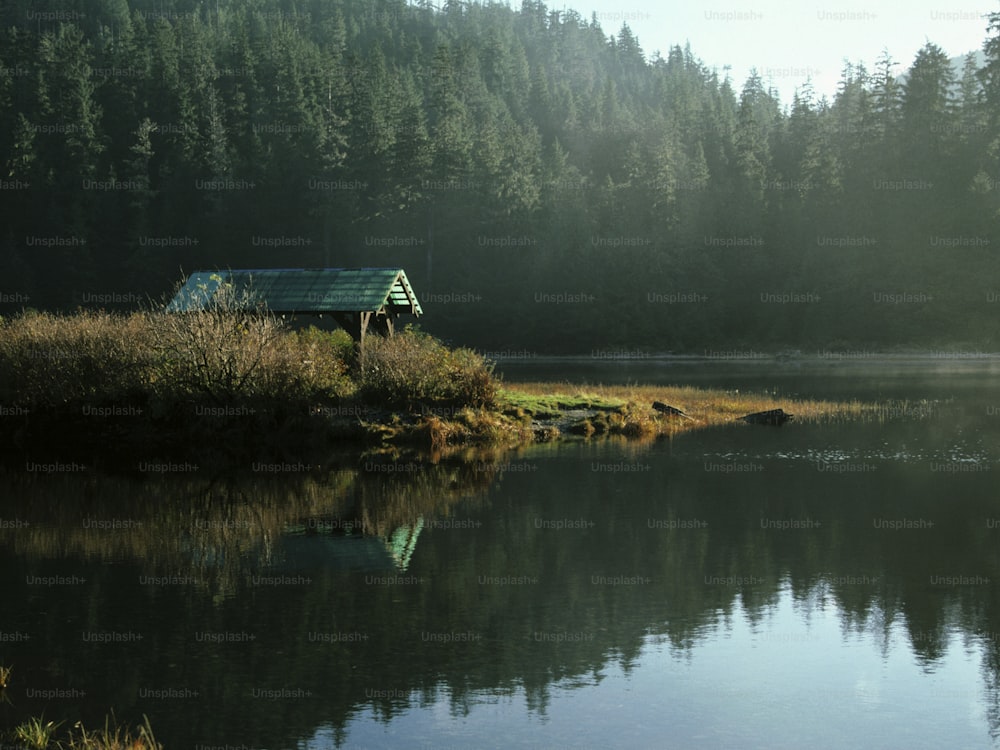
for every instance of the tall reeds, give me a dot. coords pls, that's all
(39, 734)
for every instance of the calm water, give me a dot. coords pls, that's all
(809, 586)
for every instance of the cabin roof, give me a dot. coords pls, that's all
(304, 290)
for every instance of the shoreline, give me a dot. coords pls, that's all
(527, 413)
(227, 384)
(731, 356)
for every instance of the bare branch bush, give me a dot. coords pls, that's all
(231, 349)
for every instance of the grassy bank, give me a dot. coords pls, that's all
(224, 378)
(628, 409)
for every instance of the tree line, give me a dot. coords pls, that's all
(547, 186)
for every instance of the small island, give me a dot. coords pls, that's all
(243, 381)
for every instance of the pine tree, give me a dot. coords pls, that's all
(929, 138)
(927, 107)
(374, 121)
(989, 75)
(67, 103)
(755, 123)
(450, 126)
(412, 154)
(886, 92)
(986, 185)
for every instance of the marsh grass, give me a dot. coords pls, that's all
(628, 408)
(36, 733)
(113, 736)
(465, 427)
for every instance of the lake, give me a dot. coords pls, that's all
(806, 586)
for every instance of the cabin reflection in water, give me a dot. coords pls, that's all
(327, 544)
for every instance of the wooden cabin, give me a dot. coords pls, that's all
(360, 300)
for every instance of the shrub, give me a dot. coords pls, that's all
(53, 360)
(220, 352)
(472, 380)
(226, 355)
(235, 350)
(326, 359)
(413, 367)
(58, 362)
(337, 342)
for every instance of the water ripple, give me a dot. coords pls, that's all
(956, 454)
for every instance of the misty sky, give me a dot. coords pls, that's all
(788, 41)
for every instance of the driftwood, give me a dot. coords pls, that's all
(670, 411)
(773, 417)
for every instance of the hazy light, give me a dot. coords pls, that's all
(789, 43)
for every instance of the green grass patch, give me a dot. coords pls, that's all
(36, 733)
(551, 405)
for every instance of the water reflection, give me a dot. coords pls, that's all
(219, 531)
(304, 602)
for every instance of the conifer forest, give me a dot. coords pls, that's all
(547, 184)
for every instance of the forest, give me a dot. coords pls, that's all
(548, 185)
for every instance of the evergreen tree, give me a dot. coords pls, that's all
(755, 123)
(886, 93)
(344, 119)
(927, 108)
(986, 185)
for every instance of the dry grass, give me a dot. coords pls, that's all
(629, 407)
(50, 360)
(62, 361)
(544, 411)
(113, 736)
(164, 363)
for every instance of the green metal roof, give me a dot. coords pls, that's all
(305, 290)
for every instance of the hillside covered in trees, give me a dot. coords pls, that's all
(546, 186)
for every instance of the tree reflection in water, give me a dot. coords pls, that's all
(400, 581)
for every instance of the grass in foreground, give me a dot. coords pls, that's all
(38, 734)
